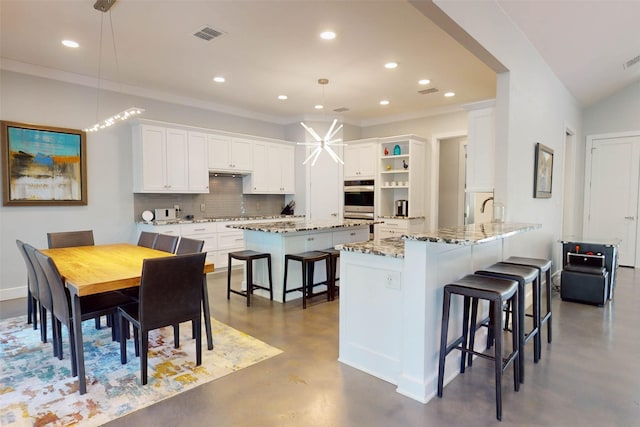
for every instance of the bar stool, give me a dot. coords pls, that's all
(334, 255)
(543, 266)
(249, 256)
(308, 260)
(523, 275)
(497, 292)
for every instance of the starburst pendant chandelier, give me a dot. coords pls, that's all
(323, 144)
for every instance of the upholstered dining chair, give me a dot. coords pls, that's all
(91, 306)
(170, 293)
(147, 239)
(165, 242)
(32, 287)
(189, 246)
(66, 239)
(44, 296)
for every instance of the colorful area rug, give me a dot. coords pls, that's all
(38, 389)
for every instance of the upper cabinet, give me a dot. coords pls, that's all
(274, 173)
(360, 159)
(161, 161)
(198, 172)
(230, 154)
(401, 170)
(481, 148)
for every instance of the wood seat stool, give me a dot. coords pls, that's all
(523, 275)
(249, 256)
(496, 291)
(308, 260)
(543, 266)
(334, 254)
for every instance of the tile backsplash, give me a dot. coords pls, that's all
(225, 198)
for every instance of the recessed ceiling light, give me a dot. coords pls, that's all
(283, 97)
(219, 79)
(70, 43)
(424, 82)
(318, 107)
(449, 94)
(384, 102)
(391, 65)
(328, 35)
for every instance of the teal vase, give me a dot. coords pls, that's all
(396, 150)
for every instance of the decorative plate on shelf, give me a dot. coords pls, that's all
(147, 216)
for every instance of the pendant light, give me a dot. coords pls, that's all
(104, 6)
(323, 144)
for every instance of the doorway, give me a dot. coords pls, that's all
(451, 181)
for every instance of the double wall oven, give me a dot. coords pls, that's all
(359, 199)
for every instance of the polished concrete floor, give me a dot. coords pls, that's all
(588, 376)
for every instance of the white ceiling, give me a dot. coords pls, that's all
(272, 47)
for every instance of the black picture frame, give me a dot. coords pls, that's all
(543, 172)
(43, 165)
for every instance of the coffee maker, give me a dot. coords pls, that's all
(402, 207)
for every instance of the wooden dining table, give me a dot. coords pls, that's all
(90, 270)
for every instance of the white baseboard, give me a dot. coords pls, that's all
(13, 293)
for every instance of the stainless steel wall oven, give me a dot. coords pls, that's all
(359, 199)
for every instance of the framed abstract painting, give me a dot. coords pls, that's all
(43, 165)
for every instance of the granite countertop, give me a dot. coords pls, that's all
(390, 247)
(473, 234)
(300, 225)
(220, 219)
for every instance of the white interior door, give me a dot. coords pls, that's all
(325, 190)
(612, 194)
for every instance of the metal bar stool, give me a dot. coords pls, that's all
(523, 275)
(334, 255)
(308, 260)
(249, 256)
(543, 266)
(497, 292)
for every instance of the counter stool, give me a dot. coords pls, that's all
(249, 257)
(497, 291)
(334, 255)
(308, 260)
(523, 275)
(543, 266)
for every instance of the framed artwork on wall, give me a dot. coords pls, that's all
(43, 165)
(543, 172)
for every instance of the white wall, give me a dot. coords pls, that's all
(110, 199)
(532, 106)
(619, 112)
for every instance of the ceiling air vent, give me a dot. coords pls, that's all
(207, 33)
(341, 110)
(631, 62)
(428, 91)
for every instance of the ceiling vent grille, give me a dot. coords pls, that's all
(341, 110)
(428, 91)
(207, 33)
(631, 62)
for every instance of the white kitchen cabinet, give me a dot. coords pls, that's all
(168, 160)
(274, 173)
(230, 154)
(160, 160)
(360, 159)
(397, 227)
(481, 150)
(401, 175)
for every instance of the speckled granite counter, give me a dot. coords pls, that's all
(223, 218)
(301, 226)
(391, 247)
(473, 234)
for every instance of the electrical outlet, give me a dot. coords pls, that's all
(392, 280)
(203, 207)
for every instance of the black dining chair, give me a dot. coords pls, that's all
(147, 239)
(32, 287)
(170, 293)
(165, 242)
(44, 296)
(189, 246)
(91, 306)
(67, 239)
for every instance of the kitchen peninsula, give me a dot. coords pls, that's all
(290, 237)
(391, 300)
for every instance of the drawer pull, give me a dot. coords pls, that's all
(310, 239)
(199, 229)
(352, 233)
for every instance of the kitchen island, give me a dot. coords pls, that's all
(290, 237)
(391, 300)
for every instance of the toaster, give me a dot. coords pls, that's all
(165, 214)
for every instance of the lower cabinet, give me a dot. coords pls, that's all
(397, 227)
